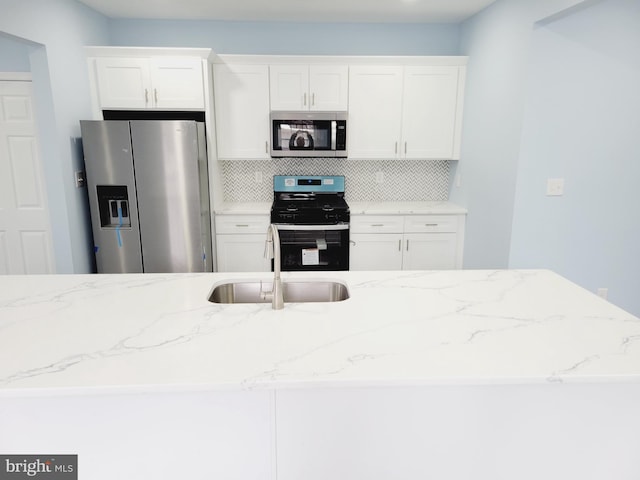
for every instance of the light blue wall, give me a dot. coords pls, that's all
(497, 41)
(57, 31)
(582, 123)
(290, 38)
(14, 55)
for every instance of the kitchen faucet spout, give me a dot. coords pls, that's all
(273, 251)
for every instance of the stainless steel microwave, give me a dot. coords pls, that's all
(308, 134)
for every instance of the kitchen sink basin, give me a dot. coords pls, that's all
(299, 291)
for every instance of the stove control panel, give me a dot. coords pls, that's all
(313, 183)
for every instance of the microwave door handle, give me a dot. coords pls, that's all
(334, 134)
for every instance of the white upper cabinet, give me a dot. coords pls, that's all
(329, 87)
(177, 82)
(304, 87)
(150, 83)
(410, 112)
(123, 82)
(242, 111)
(375, 111)
(431, 112)
(398, 108)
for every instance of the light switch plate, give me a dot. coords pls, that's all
(555, 187)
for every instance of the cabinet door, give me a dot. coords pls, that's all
(430, 106)
(289, 87)
(375, 111)
(328, 87)
(242, 253)
(370, 251)
(429, 251)
(177, 82)
(242, 111)
(123, 82)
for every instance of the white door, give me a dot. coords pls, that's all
(25, 231)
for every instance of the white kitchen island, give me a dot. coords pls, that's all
(436, 374)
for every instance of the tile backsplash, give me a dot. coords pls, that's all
(404, 180)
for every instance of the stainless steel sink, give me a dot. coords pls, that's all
(299, 291)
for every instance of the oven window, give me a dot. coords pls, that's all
(314, 249)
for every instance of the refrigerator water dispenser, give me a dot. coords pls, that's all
(113, 204)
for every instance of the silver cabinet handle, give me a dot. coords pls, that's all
(266, 147)
(155, 95)
(313, 99)
(430, 224)
(241, 225)
(405, 148)
(407, 244)
(396, 149)
(399, 245)
(377, 224)
(304, 102)
(146, 96)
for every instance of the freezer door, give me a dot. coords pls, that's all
(172, 190)
(112, 196)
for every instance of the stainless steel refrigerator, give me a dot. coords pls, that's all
(148, 195)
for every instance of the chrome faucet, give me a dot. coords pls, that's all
(272, 251)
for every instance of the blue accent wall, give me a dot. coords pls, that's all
(14, 55)
(290, 38)
(582, 123)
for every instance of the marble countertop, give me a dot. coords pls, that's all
(244, 208)
(71, 334)
(406, 208)
(356, 208)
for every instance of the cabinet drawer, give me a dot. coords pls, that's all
(242, 224)
(431, 223)
(377, 224)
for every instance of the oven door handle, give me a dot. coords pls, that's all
(287, 226)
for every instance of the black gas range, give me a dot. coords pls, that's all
(313, 222)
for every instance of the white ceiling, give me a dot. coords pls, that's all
(384, 11)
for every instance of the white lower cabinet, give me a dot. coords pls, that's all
(375, 251)
(406, 242)
(429, 251)
(240, 243)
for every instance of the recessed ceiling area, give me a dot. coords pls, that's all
(359, 11)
